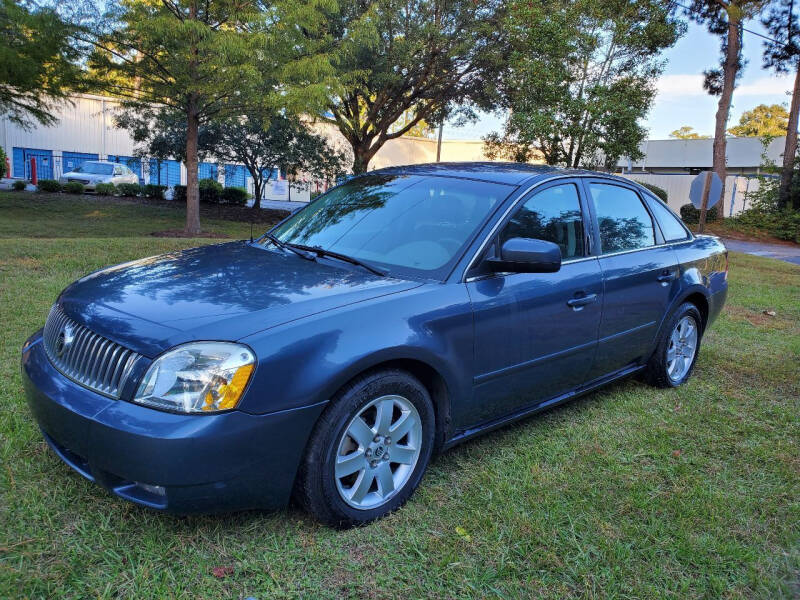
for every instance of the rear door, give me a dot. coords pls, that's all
(535, 333)
(640, 275)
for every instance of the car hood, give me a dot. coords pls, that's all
(219, 292)
(87, 176)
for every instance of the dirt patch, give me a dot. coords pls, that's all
(757, 319)
(180, 233)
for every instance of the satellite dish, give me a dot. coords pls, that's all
(699, 183)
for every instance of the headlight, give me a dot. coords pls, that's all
(198, 377)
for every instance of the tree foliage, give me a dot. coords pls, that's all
(763, 120)
(39, 65)
(687, 133)
(581, 76)
(209, 60)
(263, 144)
(416, 60)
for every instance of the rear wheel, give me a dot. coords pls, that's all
(676, 351)
(369, 449)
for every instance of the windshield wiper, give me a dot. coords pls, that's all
(343, 257)
(284, 246)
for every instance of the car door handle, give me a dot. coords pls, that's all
(666, 276)
(581, 301)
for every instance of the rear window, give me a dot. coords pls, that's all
(671, 226)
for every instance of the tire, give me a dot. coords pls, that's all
(661, 371)
(342, 498)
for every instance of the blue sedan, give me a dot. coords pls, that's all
(402, 312)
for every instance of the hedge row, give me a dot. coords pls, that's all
(212, 192)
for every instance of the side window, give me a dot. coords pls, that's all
(671, 226)
(624, 222)
(117, 170)
(553, 215)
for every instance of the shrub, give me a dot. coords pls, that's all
(152, 190)
(660, 192)
(235, 195)
(2, 163)
(105, 189)
(179, 193)
(129, 189)
(783, 224)
(19, 185)
(210, 191)
(691, 215)
(48, 185)
(73, 187)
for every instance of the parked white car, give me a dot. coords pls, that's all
(92, 172)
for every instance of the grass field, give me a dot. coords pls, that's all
(631, 492)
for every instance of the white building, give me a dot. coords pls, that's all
(745, 156)
(86, 131)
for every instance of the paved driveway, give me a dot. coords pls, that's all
(788, 253)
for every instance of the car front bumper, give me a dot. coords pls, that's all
(171, 462)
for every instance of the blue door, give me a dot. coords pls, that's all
(133, 163)
(207, 170)
(536, 333)
(22, 162)
(165, 172)
(71, 160)
(640, 275)
(235, 176)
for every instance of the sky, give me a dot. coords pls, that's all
(681, 99)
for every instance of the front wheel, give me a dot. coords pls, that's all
(369, 450)
(676, 351)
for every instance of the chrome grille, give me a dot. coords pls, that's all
(86, 357)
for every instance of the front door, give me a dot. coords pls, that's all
(640, 276)
(536, 333)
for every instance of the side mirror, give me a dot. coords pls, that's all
(526, 255)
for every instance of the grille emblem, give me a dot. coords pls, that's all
(65, 338)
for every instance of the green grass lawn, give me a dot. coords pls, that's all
(631, 492)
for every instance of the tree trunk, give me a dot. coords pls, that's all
(192, 188)
(729, 70)
(257, 185)
(363, 152)
(790, 149)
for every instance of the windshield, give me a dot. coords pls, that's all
(409, 224)
(95, 168)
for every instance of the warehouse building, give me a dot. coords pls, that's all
(86, 131)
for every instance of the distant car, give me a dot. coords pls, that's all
(92, 172)
(398, 314)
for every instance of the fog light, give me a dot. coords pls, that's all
(156, 490)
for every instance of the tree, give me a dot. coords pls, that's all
(783, 55)
(723, 18)
(160, 133)
(208, 60)
(39, 66)
(425, 59)
(580, 77)
(763, 120)
(687, 133)
(263, 144)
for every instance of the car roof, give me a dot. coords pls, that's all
(509, 173)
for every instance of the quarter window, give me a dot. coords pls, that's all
(624, 222)
(553, 215)
(671, 226)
